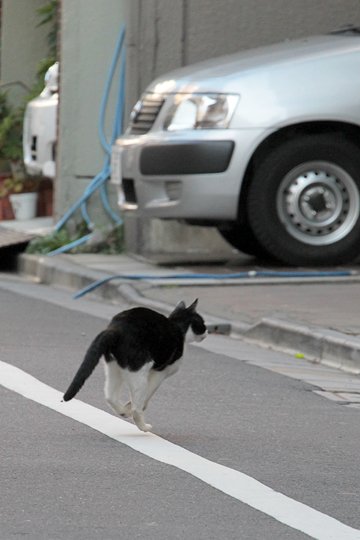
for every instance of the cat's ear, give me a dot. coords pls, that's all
(180, 306)
(193, 305)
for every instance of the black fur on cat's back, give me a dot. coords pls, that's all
(141, 330)
(137, 336)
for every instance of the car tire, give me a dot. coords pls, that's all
(242, 238)
(304, 201)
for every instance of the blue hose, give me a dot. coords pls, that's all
(118, 113)
(238, 275)
(99, 182)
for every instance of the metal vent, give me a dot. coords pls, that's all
(145, 113)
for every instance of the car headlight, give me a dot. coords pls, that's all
(201, 111)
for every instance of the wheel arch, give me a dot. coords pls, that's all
(349, 130)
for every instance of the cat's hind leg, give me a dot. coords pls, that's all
(113, 384)
(154, 381)
(138, 384)
(155, 378)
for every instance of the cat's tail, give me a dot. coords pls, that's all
(92, 357)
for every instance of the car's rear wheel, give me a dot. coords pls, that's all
(304, 201)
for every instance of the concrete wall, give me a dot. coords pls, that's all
(23, 44)
(89, 32)
(230, 25)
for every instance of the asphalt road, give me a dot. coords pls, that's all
(61, 478)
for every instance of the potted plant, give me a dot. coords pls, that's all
(21, 191)
(15, 186)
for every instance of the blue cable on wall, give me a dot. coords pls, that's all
(99, 182)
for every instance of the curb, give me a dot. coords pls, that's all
(319, 345)
(60, 272)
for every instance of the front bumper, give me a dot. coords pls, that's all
(189, 175)
(198, 157)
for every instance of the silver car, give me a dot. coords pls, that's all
(263, 144)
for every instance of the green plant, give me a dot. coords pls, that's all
(4, 106)
(111, 242)
(11, 126)
(48, 15)
(11, 121)
(18, 184)
(45, 244)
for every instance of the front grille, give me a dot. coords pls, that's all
(145, 113)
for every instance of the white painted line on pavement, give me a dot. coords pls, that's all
(230, 481)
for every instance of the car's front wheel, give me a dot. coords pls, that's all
(241, 237)
(304, 201)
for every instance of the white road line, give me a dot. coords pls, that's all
(234, 483)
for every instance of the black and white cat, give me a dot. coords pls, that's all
(141, 348)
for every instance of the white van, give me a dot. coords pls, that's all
(39, 130)
(263, 144)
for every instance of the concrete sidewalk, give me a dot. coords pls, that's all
(317, 317)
